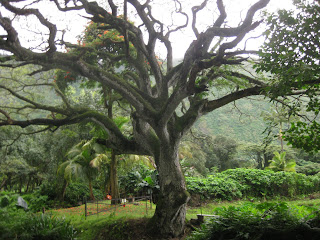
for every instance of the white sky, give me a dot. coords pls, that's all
(236, 9)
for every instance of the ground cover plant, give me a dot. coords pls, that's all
(18, 224)
(268, 220)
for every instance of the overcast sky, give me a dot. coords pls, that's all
(74, 25)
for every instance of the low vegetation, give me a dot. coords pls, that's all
(242, 183)
(214, 195)
(268, 220)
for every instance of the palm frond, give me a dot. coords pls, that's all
(99, 159)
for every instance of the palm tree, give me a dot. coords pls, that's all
(83, 161)
(280, 163)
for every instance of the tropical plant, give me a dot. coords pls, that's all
(275, 220)
(280, 163)
(84, 160)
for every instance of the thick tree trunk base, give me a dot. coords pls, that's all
(169, 218)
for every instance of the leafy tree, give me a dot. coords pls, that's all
(195, 149)
(155, 93)
(280, 163)
(224, 149)
(291, 54)
(278, 118)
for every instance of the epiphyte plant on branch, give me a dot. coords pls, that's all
(128, 66)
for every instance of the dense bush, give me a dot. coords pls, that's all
(261, 221)
(129, 182)
(18, 224)
(307, 167)
(36, 201)
(4, 201)
(246, 183)
(77, 191)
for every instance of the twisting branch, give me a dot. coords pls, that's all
(217, 103)
(65, 9)
(34, 104)
(114, 8)
(235, 42)
(25, 134)
(195, 10)
(29, 11)
(180, 11)
(6, 115)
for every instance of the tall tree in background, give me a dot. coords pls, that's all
(131, 69)
(291, 54)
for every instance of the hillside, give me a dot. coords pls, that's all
(241, 121)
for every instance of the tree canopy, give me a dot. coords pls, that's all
(291, 54)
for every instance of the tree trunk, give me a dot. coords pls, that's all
(65, 185)
(91, 192)
(28, 183)
(114, 178)
(20, 185)
(4, 183)
(169, 217)
(267, 159)
(259, 159)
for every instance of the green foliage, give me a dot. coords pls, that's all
(256, 221)
(21, 225)
(76, 191)
(36, 201)
(84, 160)
(291, 54)
(4, 201)
(130, 181)
(308, 168)
(151, 183)
(248, 183)
(241, 122)
(280, 163)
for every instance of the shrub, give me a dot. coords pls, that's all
(23, 225)
(36, 201)
(247, 183)
(4, 201)
(76, 191)
(44, 226)
(261, 221)
(129, 182)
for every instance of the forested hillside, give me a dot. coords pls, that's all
(241, 121)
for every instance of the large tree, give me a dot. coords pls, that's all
(165, 101)
(291, 54)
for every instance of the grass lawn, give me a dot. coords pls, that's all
(127, 221)
(109, 215)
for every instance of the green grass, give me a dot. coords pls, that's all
(93, 224)
(89, 227)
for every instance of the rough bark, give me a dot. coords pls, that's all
(91, 192)
(114, 187)
(28, 183)
(64, 189)
(169, 217)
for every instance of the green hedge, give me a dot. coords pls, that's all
(245, 183)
